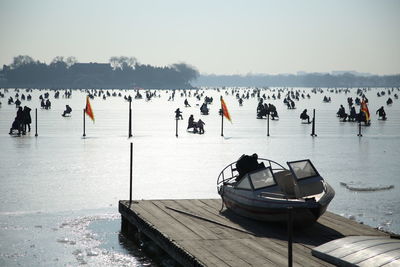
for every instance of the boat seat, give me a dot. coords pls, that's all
(286, 182)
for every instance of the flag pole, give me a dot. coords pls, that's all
(222, 123)
(222, 119)
(359, 129)
(84, 134)
(130, 117)
(36, 134)
(176, 127)
(290, 236)
(313, 125)
(130, 175)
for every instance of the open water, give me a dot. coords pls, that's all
(59, 191)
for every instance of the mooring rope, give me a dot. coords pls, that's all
(209, 220)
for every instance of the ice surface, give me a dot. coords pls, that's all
(60, 171)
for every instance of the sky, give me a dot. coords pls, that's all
(214, 36)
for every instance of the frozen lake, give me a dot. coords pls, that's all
(60, 190)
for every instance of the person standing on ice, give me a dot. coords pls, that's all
(200, 125)
(20, 115)
(26, 119)
(48, 104)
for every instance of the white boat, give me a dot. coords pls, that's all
(266, 190)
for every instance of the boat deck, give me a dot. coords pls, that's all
(195, 233)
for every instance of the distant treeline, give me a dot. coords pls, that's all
(120, 72)
(127, 72)
(304, 80)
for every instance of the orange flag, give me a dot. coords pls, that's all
(364, 108)
(225, 111)
(88, 109)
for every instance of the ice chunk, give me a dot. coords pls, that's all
(366, 188)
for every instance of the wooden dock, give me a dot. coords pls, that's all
(195, 233)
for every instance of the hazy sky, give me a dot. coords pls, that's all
(215, 36)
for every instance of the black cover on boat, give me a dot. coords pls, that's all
(246, 164)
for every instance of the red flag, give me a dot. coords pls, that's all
(88, 109)
(225, 111)
(364, 108)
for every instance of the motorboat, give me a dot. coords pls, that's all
(266, 191)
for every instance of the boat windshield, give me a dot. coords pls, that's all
(262, 178)
(303, 169)
(244, 184)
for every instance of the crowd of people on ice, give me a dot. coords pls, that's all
(21, 123)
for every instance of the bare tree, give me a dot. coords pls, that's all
(188, 72)
(122, 62)
(71, 61)
(57, 59)
(114, 62)
(21, 60)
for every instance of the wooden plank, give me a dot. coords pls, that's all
(350, 227)
(196, 226)
(250, 256)
(217, 248)
(265, 252)
(197, 207)
(164, 222)
(216, 204)
(301, 256)
(214, 224)
(208, 259)
(214, 210)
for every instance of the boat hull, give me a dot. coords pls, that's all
(303, 212)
